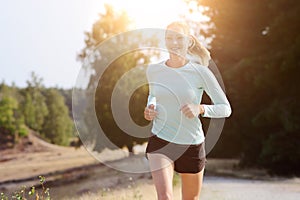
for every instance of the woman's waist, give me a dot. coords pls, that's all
(176, 120)
(165, 141)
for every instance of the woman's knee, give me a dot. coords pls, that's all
(165, 196)
(191, 197)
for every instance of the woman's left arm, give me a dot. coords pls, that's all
(220, 105)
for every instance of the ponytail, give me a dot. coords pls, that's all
(197, 50)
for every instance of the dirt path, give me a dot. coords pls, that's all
(123, 186)
(74, 174)
(214, 188)
(27, 165)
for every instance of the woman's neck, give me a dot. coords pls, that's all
(176, 61)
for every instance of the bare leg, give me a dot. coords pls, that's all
(191, 185)
(162, 170)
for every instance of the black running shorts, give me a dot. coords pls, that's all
(186, 158)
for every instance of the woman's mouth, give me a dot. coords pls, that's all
(175, 48)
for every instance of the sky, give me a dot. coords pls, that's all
(45, 36)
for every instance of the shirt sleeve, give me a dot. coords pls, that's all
(220, 105)
(151, 98)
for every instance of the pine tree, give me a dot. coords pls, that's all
(34, 106)
(58, 127)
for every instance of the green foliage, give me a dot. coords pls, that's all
(32, 193)
(34, 106)
(67, 94)
(7, 107)
(108, 25)
(58, 127)
(11, 119)
(280, 153)
(257, 46)
(43, 110)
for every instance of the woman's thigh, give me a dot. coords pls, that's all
(191, 185)
(162, 170)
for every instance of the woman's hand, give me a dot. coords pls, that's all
(150, 113)
(192, 110)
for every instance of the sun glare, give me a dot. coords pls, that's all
(151, 13)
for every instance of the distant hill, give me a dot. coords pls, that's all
(30, 143)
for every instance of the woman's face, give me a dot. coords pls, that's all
(177, 41)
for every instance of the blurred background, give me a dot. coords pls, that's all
(255, 44)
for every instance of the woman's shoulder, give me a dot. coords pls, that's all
(197, 66)
(154, 66)
(153, 69)
(201, 70)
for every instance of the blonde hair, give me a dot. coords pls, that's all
(196, 49)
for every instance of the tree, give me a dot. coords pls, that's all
(106, 27)
(257, 44)
(57, 127)
(67, 94)
(7, 120)
(34, 106)
(11, 119)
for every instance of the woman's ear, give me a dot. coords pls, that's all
(191, 42)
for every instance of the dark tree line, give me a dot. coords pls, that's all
(257, 46)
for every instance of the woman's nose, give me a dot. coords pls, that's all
(174, 42)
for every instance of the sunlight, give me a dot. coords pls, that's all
(150, 14)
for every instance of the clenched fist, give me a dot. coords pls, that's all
(150, 113)
(192, 110)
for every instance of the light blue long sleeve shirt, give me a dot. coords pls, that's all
(172, 88)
